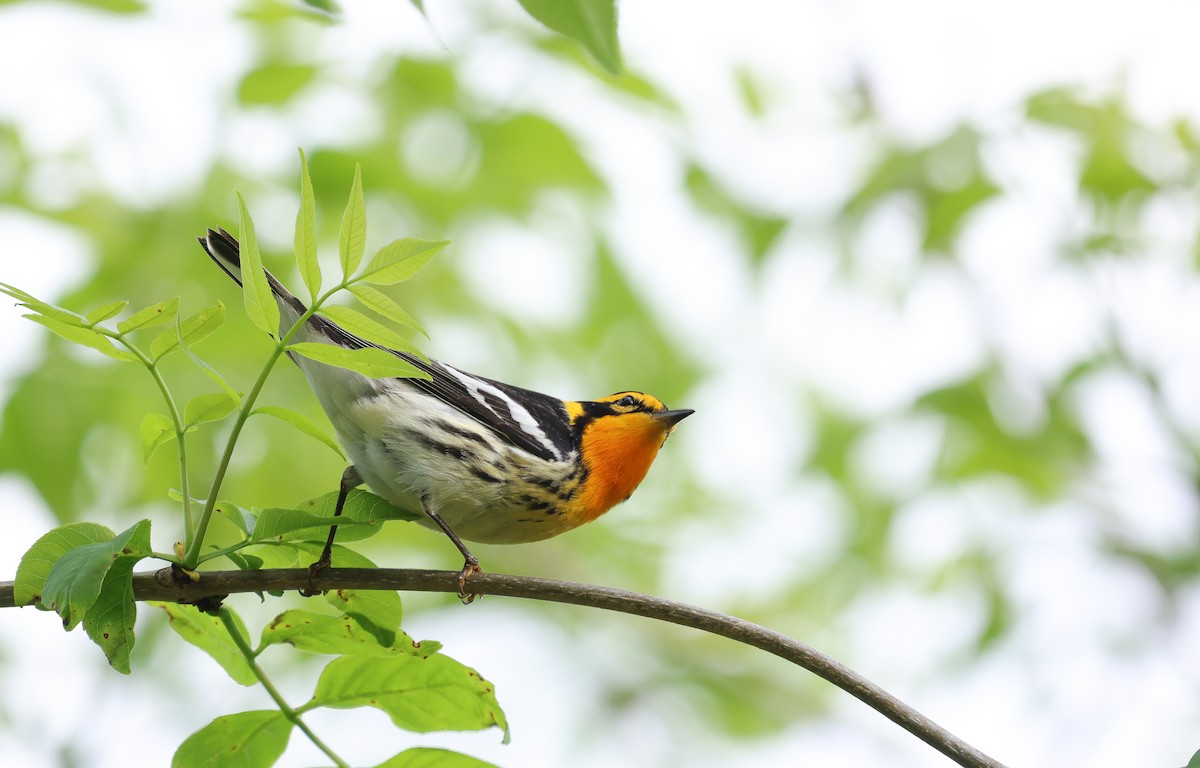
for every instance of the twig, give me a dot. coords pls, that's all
(160, 585)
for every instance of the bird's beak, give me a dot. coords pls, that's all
(671, 418)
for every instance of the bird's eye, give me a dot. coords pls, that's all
(626, 402)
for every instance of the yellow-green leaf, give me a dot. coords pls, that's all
(153, 315)
(373, 362)
(353, 239)
(210, 407)
(157, 429)
(593, 23)
(105, 311)
(245, 740)
(371, 330)
(303, 424)
(399, 260)
(379, 302)
(256, 291)
(306, 233)
(86, 337)
(197, 327)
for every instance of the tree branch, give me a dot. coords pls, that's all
(161, 585)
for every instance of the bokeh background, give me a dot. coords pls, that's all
(927, 271)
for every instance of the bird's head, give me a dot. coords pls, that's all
(618, 439)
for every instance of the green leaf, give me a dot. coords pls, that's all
(203, 366)
(209, 635)
(196, 328)
(361, 517)
(327, 6)
(434, 693)
(205, 408)
(1195, 761)
(302, 423)
(306, 233)
(109, 622)
(274, 83)
(234, 514)
(379, 302)
(339, 635)
(361, 325)
(115, 6)
(86, 337)
(399, 260)
(256, 291)
(36, 563)
(377, 612)
(157, 429)
(28, 301)
(371, 361)
(154, 315)
(353, 238)
(105, 311)
(593, 23)
(75, 580)
(246, 740)
(429, 757)
(301, 554)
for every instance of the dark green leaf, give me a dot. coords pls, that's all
(75, 580)
(245, 740)
(40, 558)
(109, 622)
(591, 22)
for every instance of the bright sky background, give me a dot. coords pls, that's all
(1067, 690)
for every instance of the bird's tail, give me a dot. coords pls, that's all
(224, 250)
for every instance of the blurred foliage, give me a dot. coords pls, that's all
(441, 157)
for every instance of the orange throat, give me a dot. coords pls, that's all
(617, 453)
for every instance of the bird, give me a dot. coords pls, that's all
(485, 461)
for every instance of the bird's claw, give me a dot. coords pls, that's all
(469, 569)
(314, 570)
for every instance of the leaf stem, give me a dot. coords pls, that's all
(180, 431)
(291, 714)
(192, 556)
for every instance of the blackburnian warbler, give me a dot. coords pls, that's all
(486, 461)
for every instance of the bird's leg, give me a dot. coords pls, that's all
(470, 563)
(350, 480)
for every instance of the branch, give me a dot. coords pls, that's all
(160, 585)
